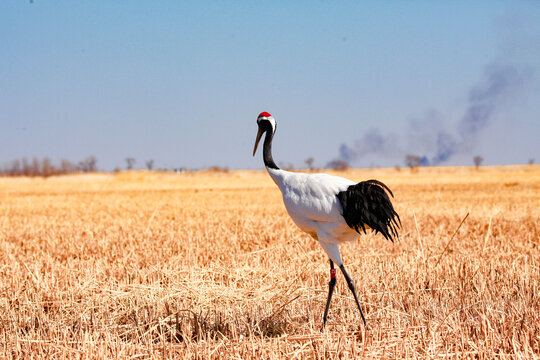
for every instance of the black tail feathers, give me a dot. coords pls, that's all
(367, 203)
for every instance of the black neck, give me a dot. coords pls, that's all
(267, 150)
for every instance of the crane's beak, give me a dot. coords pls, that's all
(259, 134)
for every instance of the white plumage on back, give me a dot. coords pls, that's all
(311, 195)
(312, 203)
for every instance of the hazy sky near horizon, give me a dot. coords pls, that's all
(182, 82)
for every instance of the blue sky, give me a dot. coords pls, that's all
(182, 83)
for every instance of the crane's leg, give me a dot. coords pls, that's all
(331, 286)
(353, 290)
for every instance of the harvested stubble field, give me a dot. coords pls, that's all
(209, 265)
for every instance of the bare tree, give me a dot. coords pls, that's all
(26, 169)
(130, 162)
(338, 164)
(66, 167)
(150, 164)
(46, 168)
(309, 162)
(16, 168)
(478, 161)
(83, 166)
(91, 161)
(88, 164)
(35, 168)
(412, 161)
(531, 161)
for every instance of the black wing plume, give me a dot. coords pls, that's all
(367, 203)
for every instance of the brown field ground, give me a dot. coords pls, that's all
(209, 265)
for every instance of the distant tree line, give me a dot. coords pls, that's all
(45, 167)
(412, 161)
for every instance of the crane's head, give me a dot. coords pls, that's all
(266, 122)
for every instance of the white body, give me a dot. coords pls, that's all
(311, 201)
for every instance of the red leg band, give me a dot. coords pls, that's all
(332, 273)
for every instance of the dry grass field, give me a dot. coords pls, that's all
(208, 265)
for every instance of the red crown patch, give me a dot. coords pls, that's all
(265, 114)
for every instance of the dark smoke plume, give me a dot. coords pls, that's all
(372, 142)
(446, 146)
(499, 82)
(429, 136)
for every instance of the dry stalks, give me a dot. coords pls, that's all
(208, 265)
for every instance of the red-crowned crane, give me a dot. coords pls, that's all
(330, 208)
